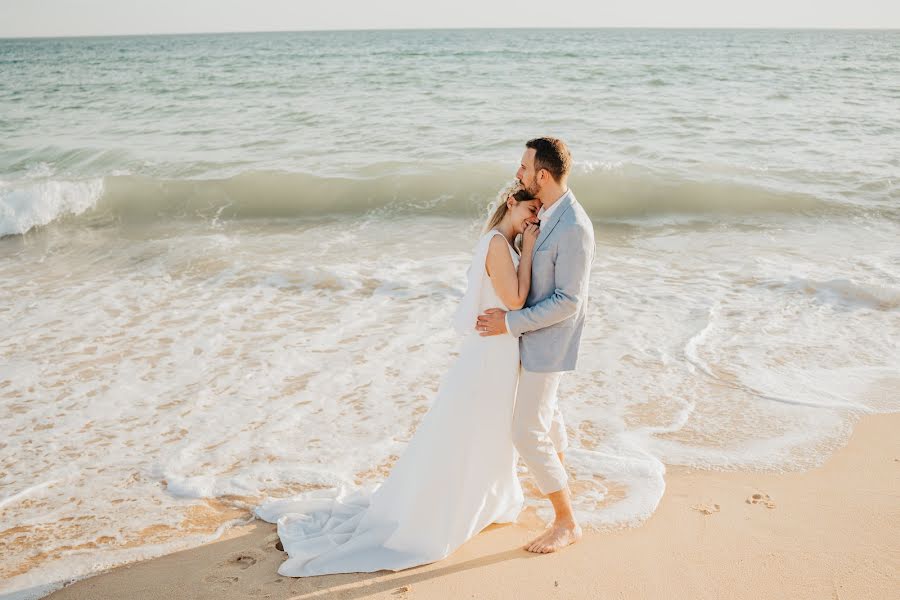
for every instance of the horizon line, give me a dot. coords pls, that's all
(488, 28)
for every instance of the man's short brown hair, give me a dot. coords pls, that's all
(551, 154)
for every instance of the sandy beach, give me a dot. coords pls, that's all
(831, 532)
(233, 278)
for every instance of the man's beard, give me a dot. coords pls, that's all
(534, 189)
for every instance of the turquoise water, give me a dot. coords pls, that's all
(228, 262)
(798, 117)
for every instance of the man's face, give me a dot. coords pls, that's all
(526, 173)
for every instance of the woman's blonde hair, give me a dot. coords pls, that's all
(513, 190)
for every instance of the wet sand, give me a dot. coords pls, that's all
(828, 533)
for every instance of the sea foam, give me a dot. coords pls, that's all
(24, 205)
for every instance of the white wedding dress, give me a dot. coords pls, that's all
(456, 476)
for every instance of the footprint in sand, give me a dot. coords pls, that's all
(243, 560)
(763, 499)
(706, 509)
(222, 580)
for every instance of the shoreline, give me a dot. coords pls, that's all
(829, 532)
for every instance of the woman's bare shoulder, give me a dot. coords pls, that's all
(498, 251)
(498, 246)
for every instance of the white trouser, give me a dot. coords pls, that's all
(538, 429)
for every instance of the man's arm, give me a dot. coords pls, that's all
(573, 264)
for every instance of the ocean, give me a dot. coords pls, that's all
(228, 262)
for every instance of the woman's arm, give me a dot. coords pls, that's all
(511, 286)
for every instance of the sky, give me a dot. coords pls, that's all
(40, 18)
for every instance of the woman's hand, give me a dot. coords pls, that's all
(529, 237)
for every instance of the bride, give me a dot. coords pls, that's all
(457, 474)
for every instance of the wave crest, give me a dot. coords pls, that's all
(612, 192)
(23, 207)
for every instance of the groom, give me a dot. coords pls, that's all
(549, 329)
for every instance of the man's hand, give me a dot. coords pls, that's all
(492, 322)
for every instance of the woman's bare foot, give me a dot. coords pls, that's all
(557, 536)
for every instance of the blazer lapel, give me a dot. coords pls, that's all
(548, 226)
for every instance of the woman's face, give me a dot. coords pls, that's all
(524, 212)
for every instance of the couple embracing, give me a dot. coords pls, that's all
(521, 318)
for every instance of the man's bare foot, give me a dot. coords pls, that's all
(557, 536)
(539, 538)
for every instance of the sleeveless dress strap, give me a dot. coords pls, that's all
(466, 314)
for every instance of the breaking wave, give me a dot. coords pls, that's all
(605, 194)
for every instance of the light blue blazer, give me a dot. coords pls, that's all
(549, 326)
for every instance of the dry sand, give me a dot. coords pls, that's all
(828, 533)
